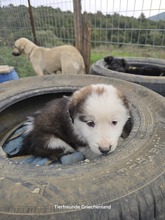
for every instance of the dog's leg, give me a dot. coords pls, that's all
(70, 65)
(56, 143)
(45, 145)
(38, 70)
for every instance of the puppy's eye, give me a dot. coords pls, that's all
(114, 122)
(90, 123)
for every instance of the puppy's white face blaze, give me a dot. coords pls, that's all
(102, 120)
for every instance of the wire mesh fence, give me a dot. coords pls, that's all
(113, 23)
(52, 26)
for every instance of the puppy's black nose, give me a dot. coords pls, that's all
(104, 150)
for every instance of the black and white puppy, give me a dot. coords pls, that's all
(93, 116)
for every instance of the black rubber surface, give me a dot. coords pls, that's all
(155, 83)
(129, 184)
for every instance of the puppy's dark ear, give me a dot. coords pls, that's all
(71, 113)
(71, 110)
(111, 57)
(76, 102)
(124, 99)
(108, 59)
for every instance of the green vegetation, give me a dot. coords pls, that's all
(54, 27)
(126, 51)
(20, 63)
(24, 68)
(114, 35)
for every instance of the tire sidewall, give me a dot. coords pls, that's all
(104, 181)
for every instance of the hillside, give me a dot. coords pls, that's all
(158, 17)
(55, 27)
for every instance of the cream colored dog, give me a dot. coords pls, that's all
(62, 59)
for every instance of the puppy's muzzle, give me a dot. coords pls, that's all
(104, 150)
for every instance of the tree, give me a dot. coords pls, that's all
(142, 17)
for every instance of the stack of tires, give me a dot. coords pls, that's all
(126, 185)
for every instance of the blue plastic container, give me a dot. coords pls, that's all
(7, 76)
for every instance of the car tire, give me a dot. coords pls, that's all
(155, 83)
(129, 184)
